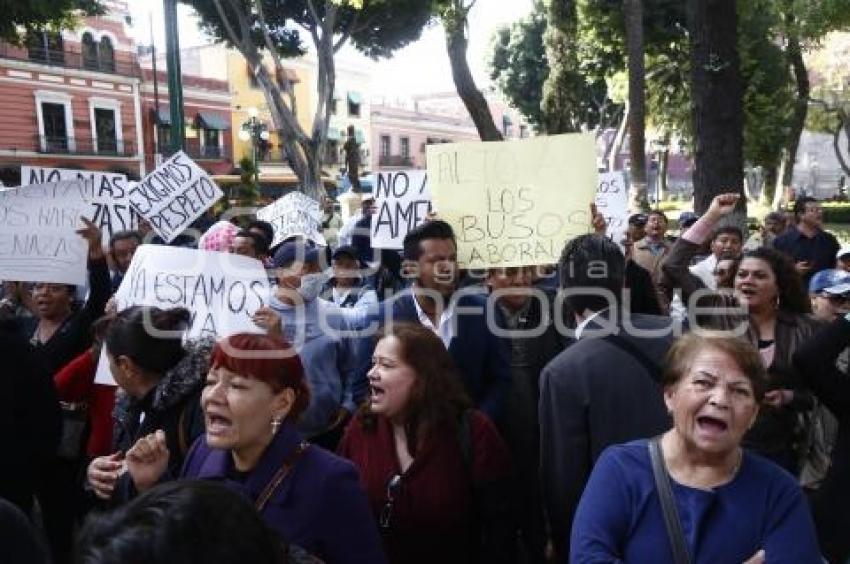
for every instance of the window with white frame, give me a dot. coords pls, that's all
(385, 146)
(405, 147)
(55, 122)
(106, 127)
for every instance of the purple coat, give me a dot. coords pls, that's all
(320, 505)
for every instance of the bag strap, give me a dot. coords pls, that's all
(273, 484)
(640, 356)
(668, 503)
(182, 443)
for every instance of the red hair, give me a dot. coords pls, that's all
(267, 358)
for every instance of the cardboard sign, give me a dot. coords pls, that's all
(174, 195)
(38, 239)
(514, 203)
(291, 215)
(110, 207)
(612, 201)
(403, 200)
(221, 290)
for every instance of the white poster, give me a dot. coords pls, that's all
(291, 215)
(612, 201)
(403, 201)
(110, 206)
(174, 195)
(38, 239)
(221, 290)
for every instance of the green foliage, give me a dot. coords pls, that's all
(769, 93)
(30, 15)
(248, 190)
(376, 27)
(518, 64)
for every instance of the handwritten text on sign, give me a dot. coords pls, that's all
(403, 200)
(110, 208)
(38, 239)
(293, 214)
(612, 201)
(514, 203)
(174, 195)
(221, 290)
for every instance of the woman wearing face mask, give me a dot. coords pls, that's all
(255, 392)
(436, 472)
(320, 337)
(725, 503)
(161, 379)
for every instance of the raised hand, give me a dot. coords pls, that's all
(723, 204)
(597, 220)
(94, 236)
(268, 319)
(148, 460)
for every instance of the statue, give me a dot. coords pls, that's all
(352, 160)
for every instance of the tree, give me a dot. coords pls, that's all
(565, 87)
(633, 15)
(257, 27)
(23, 15)
(518, 64)
(717, 92)
(454, 15)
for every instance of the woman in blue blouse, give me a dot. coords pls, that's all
(733, 506)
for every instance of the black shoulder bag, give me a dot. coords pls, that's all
(668, 503)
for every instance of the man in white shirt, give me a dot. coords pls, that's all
(727, 243)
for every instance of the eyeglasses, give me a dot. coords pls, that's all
(387, 512)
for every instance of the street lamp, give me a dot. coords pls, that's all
(254, 131)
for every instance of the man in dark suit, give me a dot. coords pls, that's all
(458, 317)
(603, 389)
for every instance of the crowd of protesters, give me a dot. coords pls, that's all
(650, 399)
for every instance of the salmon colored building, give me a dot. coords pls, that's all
(72, 99)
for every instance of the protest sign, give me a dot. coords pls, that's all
(514, 203)
(110, 208)
(291, 215)
(38, 239)
(612, 201)
(221, 290)
(174, 195)
(403, 200)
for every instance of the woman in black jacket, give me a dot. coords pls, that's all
(816, 360)
(161, 380)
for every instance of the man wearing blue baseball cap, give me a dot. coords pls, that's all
(320, 335)
(829, 291)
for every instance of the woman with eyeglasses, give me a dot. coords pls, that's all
(255, 391)
(436, 472)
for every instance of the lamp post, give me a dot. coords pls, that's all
(254, 130)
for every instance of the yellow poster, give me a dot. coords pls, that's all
(514, 203)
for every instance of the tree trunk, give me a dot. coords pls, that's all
(617, 145)
(663, 161)
(801, 108)
(768, 190)
(633, 14)
(717, 94)
(476, 104)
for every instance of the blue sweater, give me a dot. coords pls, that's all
(328, 351)
(619, 518)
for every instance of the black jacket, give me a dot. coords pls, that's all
(815, 360)
(74, 335)
(593, 395)
(174, 406)
(29, 416)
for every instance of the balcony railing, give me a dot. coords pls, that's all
(68, 59)
(394, 160)
(208, 152)
(64, 145)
